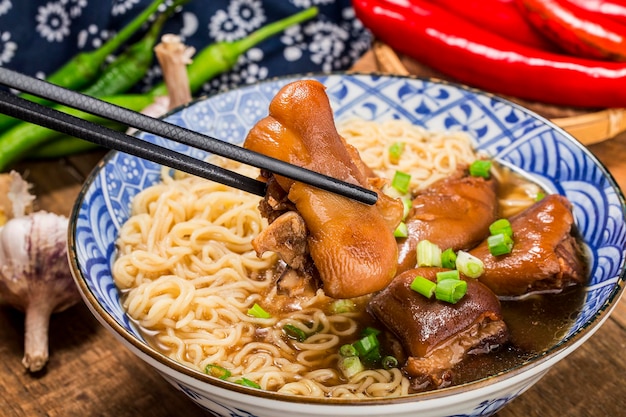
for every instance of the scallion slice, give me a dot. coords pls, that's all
(370, 330)
(469, 265)
(389, 362)
(217, 371)
(372, 358)
(366, 344)
(501, 226)
(348, 350)
(428, 254)
(401, 181)
(407, 204)
(258, 312)
(423, 286)
(342, 306)
(401, 231)
(450, 290)
(452, 274)
(396, 150)
(294, 332)
(480, 168)
(540, 195)
(350, 366)
(448, 259)
(247, 383)
(499, 244)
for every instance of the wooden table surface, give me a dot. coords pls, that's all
(90, 373)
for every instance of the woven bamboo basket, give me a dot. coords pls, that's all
(588, 127)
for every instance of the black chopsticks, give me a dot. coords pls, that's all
(62, 122)
(53, 119)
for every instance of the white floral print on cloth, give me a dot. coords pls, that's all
(38, 36)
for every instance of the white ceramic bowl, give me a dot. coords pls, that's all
(510, 133)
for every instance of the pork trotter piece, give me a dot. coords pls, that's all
(454, 213)
(545, 256)
(351, 244)
(437, 335)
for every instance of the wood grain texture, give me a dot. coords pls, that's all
(90, 373)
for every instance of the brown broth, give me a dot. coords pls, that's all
(535, 324)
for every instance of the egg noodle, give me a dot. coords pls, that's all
(189, 274)
(427, 155)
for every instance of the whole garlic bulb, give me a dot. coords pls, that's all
(35, 277)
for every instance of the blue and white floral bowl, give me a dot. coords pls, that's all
(511, 134)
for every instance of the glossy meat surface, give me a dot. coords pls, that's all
(435, 334)
(453, 213)
(351, 244)
(545, 255)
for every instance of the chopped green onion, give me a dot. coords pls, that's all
(247, 383)
(217, 371)
(370, 330)
(258, 312)
(392, 192)
(396, 150)
(407, 204)
(294, 332)
(401, 230)
(428, 254)
(348, 350)
(372, 358)
(452, 274)
(389, 362)
(350, 366)
(469, 265)
(499, 244)
(448, 258)
(501, 226)
(342, 306)
(401, 181)
(480, 168)
(450, 290)
(423, 286)
(366, 344)
(540, 195)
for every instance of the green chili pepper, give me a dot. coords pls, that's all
(25, 136)
(60, 147)
(220, 57)
(84, 67)
(130, 67)
(211, 61)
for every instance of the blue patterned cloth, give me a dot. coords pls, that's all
(38, 36)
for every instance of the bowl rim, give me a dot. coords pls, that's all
(542, 359)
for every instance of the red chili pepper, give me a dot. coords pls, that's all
(499, 16)
(613, 9)
(576, 30)
(475, 56)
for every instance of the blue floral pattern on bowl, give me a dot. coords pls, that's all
(509, 133)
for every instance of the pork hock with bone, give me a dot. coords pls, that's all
(351, 244)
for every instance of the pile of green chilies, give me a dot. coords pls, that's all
(84, 73)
